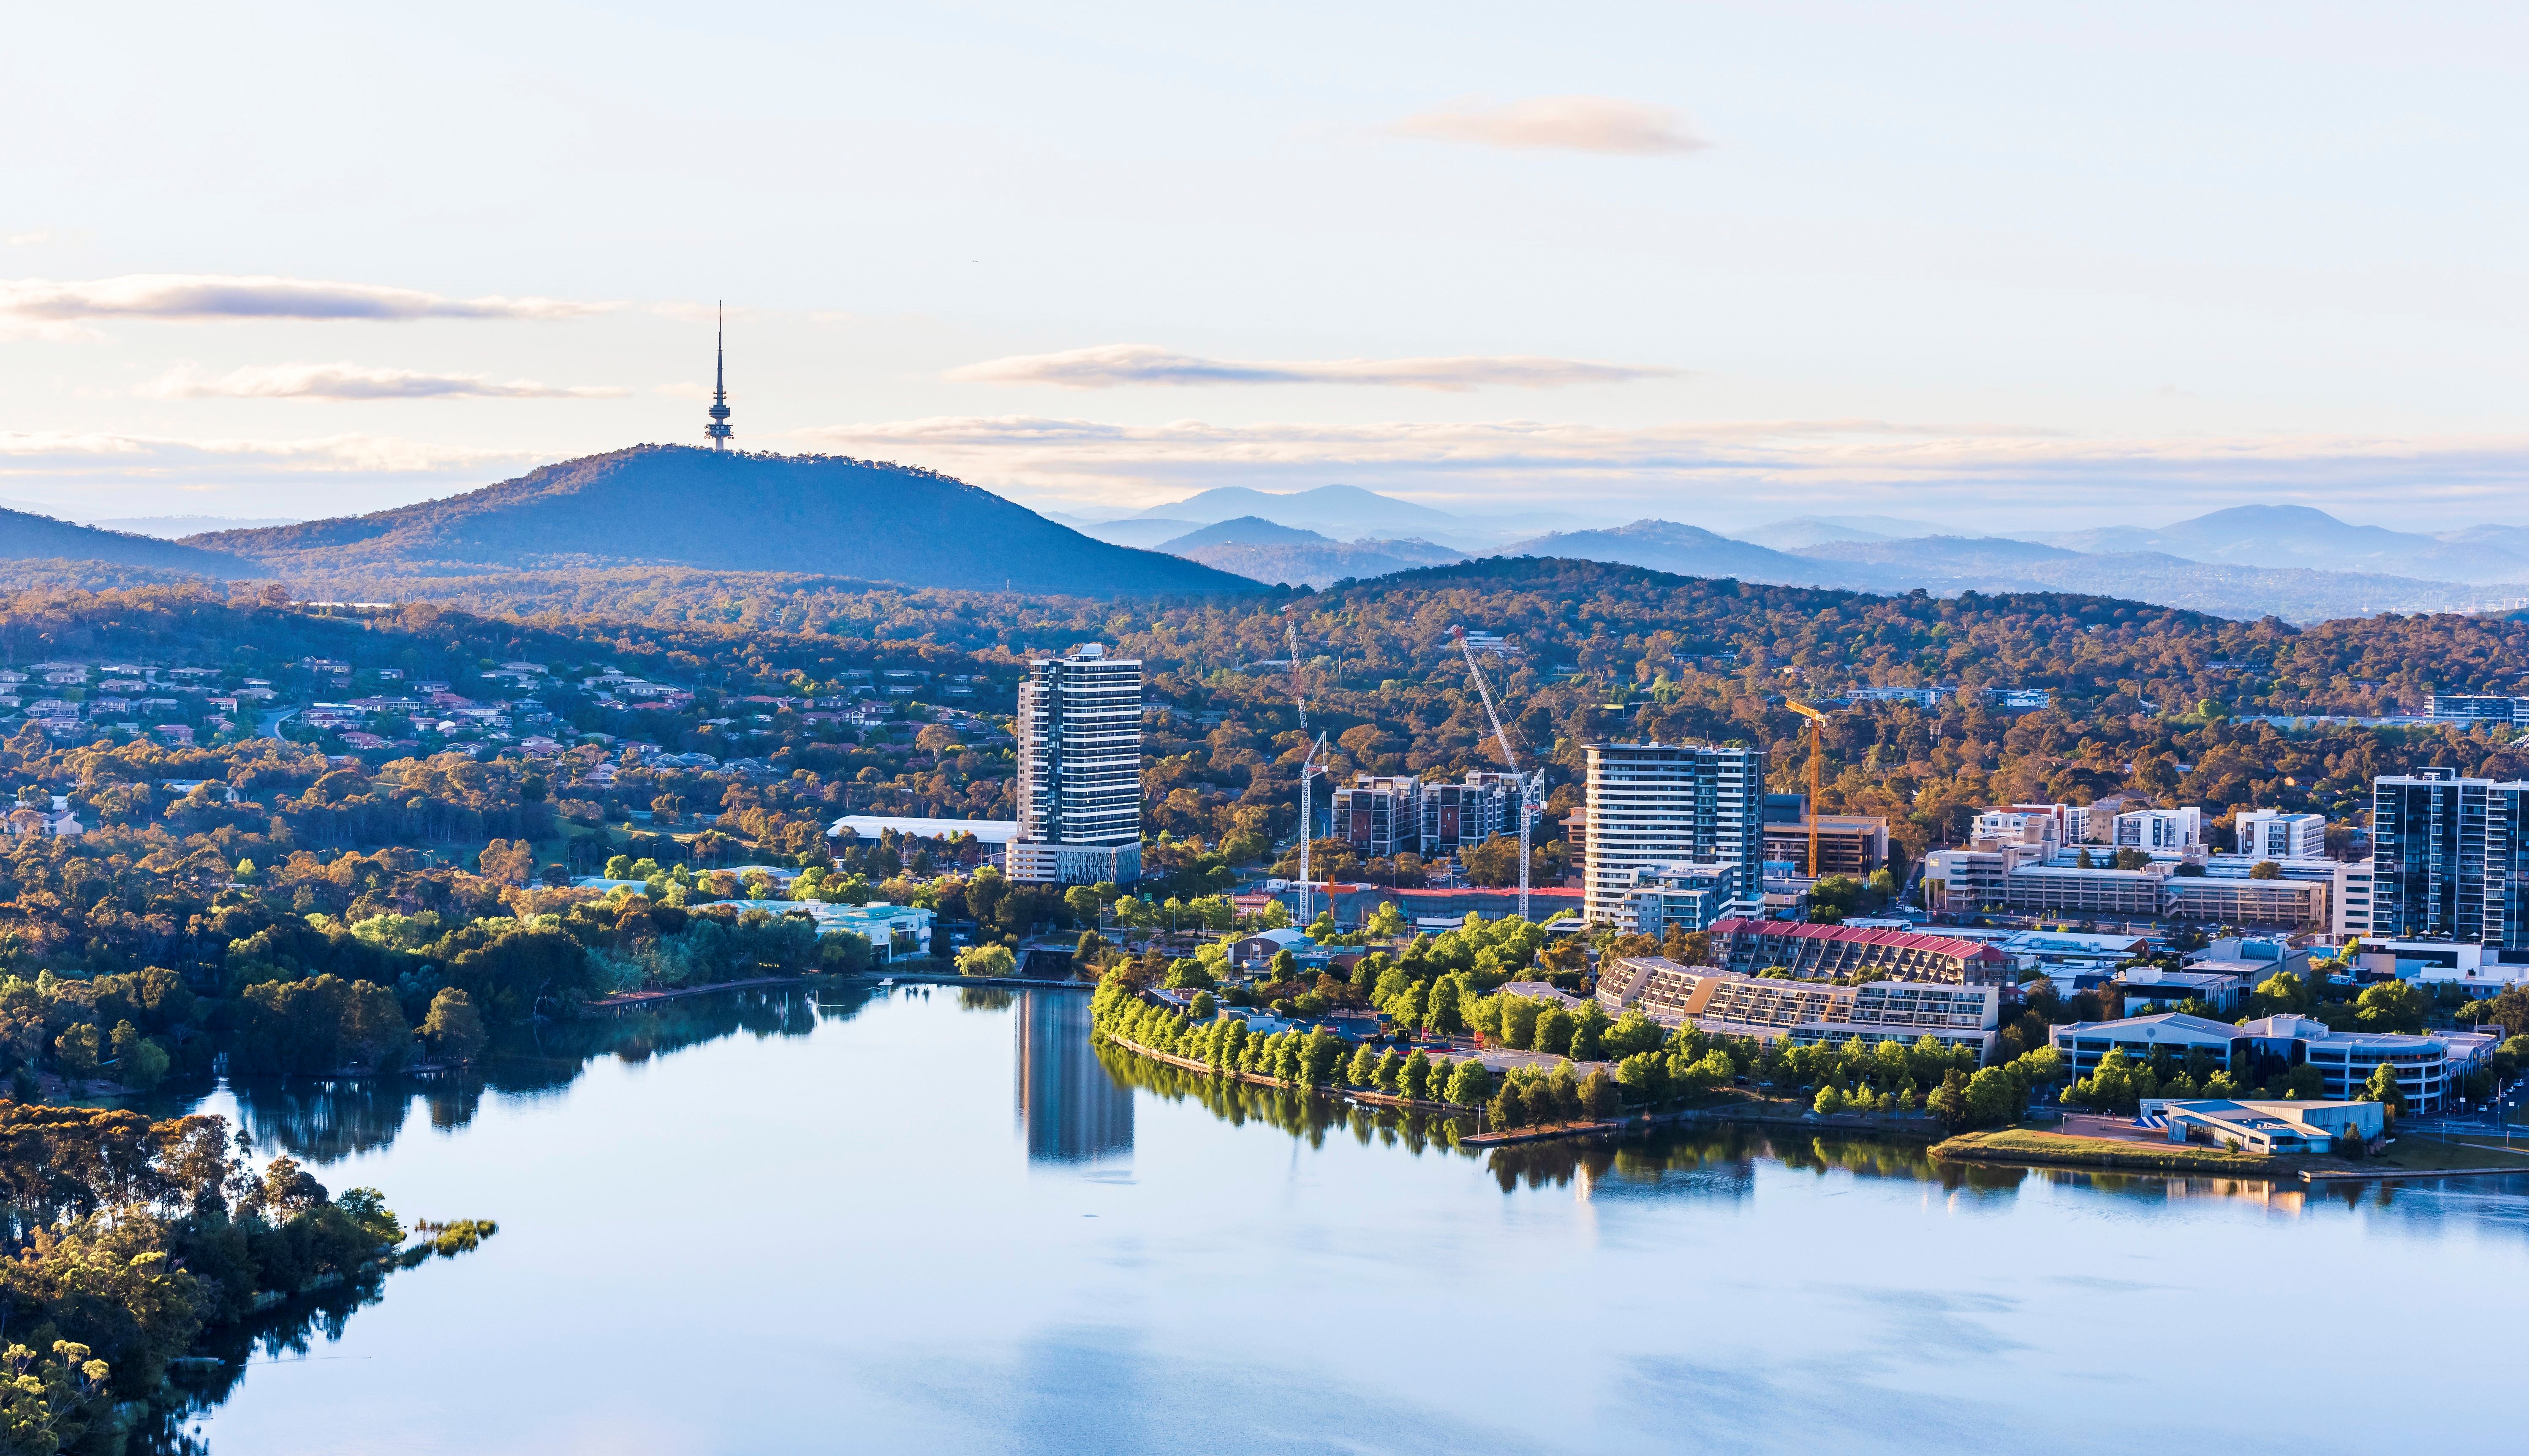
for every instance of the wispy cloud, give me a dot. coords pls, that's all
(193, 298)
(356, 382)
(1592, 124)
(26, 240)
(99, 473)
(164, 457)
(1715, 472)
(1113, 365)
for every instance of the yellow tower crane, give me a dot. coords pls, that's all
(1817, 756)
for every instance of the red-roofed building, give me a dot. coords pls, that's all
(1818, 951)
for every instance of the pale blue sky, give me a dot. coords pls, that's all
(1998, 265)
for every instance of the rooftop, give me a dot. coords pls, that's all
(871, 825)
(1899, 939)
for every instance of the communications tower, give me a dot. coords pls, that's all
(718, 430)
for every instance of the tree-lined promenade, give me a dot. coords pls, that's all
(1658, 1070)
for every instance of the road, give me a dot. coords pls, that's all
(267, 724)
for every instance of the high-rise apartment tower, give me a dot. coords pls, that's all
(1654, 806)
(1080, 770)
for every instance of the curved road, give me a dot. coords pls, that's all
(267, 725)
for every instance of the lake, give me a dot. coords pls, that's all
(939, 1220)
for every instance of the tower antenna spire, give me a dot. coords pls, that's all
(717, 431)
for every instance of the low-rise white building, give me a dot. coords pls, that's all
(2259, 1051)
(2266, 1127)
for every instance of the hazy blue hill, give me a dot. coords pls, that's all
(1303, 556)
(1995, 563)
(1343, 511)
(1927, 555)
(2271, 536)
(672, 505)
(1799, 531)
(1692, 551)
(28, 537)
(1243, 530)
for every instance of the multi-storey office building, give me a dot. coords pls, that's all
(1080, 770)
(2161, 831)
(2474, 709)
(2262, 1051)
(2271, 833)
(1653, 805)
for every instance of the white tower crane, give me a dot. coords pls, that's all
(1310, 767)
(1530, 790)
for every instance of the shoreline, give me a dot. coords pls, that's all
(1260, 1079)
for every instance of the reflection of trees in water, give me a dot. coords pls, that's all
(219, 1360)
(324, 1121)
(1304, 1117)
(549, 1058)
(1719, 1160)
(985, 999)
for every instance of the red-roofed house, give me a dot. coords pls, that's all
(1824, 951)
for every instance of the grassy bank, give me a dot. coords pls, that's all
(2022, 1145)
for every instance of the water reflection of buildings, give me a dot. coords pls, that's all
(1073, 1110)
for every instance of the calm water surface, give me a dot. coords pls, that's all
(941, 1222)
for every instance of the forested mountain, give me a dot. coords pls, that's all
(28, 537)
(668, 504)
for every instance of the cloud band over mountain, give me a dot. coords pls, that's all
(195, 297)
(357, 382)
(1117, 365)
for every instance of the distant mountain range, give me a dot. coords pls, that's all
(701, 510)
(677, 505)
(1340, 512)
(2247, 562)
(2271, 536)
(1264, 551)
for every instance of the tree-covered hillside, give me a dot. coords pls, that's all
(677, 505)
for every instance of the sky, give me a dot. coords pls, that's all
(2000, 267)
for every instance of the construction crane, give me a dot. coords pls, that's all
(1299, 692)
(1310, 767)
(1817, 756)
(1530, 791)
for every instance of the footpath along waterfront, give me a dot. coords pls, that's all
(938, 1219)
